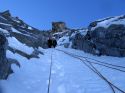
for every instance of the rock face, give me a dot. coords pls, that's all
(15, 27)
(80, 42)
(58, 26)
(5, 64)
(103, 39)
(4, 67)
(109, 41)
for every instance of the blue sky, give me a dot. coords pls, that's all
(76, 13)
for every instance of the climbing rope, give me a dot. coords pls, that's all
(94, 61)
(89, 64)
(50, 72)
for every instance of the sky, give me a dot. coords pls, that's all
(76, 13)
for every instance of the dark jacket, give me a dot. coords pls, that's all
(50, 42)
(54, 43)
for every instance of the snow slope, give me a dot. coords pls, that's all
(69, 75)
(32, 77)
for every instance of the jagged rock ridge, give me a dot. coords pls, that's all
(13, 26)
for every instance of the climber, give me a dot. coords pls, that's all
(54, 43)
(50, 42)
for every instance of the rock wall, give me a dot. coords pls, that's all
(103, 41)
(5, 64)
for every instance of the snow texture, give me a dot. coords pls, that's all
(14, 43)
(69, 75)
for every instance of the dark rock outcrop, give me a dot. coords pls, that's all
(109, 41)
(103, 41)
(5, 63)
(80, 42)
(58, 26)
